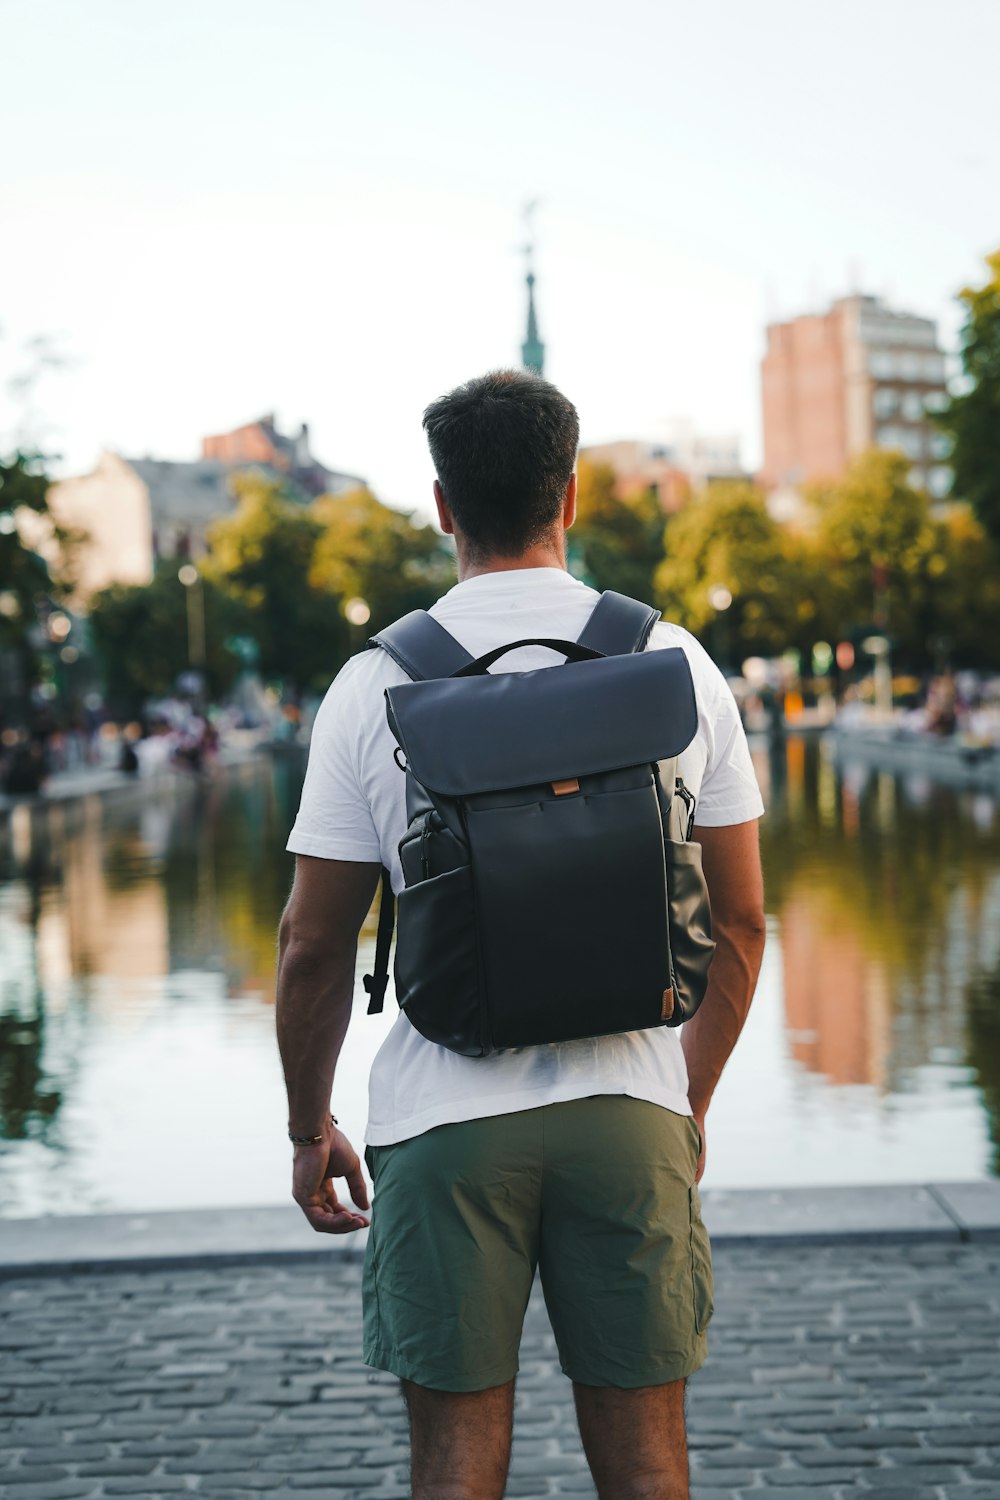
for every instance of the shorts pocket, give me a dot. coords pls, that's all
(371, 1312)
(702, 1283)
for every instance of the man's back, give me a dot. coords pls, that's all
(353, 809)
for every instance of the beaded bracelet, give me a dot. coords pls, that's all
(309, 1140)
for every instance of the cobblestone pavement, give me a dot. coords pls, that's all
(835, 1371)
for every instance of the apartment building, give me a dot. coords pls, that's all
(858, 376)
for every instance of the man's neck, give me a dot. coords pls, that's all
(545, 555)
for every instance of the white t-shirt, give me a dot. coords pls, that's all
(353, 808)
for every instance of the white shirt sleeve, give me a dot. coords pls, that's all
(729, 792)
(335, 818)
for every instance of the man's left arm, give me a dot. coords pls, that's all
(731, 861)
(317, 952)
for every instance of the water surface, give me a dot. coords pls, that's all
(137, 935)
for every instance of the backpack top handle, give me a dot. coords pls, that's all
(425, 650)
(572, 650)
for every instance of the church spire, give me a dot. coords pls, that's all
(532, 350)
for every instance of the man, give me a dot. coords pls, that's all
(579, 1157)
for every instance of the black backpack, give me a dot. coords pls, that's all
(552, 888)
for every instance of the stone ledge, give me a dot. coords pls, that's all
(256, 1236)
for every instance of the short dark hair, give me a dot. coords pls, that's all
(504, 446)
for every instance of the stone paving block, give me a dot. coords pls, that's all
(149, 1489)
(55, 1489)
(15, 1477)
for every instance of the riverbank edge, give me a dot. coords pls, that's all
(107, 781)
(203, 1238)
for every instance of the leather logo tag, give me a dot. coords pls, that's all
(667, 1008)
(562, 788)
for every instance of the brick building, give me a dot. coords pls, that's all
(857, 376)
(260, 443)
(136, 510)
(680, 461)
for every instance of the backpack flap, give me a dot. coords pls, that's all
(490, 733)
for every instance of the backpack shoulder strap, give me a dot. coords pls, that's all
(618, 625)
(424, 650)
(422, 647)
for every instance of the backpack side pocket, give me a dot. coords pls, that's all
(437, 961)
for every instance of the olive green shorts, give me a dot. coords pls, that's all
(598, 1193)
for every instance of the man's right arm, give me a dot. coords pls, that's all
(731, 861)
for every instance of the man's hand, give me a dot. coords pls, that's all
(317, 947)
(313, 1171)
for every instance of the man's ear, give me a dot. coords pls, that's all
(569, 504)
(444, 514)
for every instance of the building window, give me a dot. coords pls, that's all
(887, 437)
(881, 364)
(912, 443)
(886, 401)
(913, 406)
(932, 367)
(940, 481)
(940, 445)
(917, 479)
(910, 366)
(936, 400)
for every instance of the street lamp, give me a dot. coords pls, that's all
(191, 579)
(720, 598)
(878, 647)
(357, 613)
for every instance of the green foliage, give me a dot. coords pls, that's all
(261, 557)
(938, 577)
(140, 634)
(370, 551)
(292, 568)
(726, 539)
(24, 575)
(965, 592)
(972, 419)
(617, 544)
(874, 528)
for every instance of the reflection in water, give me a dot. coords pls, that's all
(889, 905)
(138, 937)
(984, 1048)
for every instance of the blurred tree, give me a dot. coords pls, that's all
(886, 561)
(963, 625)
(726, 544)
(370, 551)
(262, 557)
(28, 589)
(24, 574)
(972, 419)
(140, 634)
(616, 544)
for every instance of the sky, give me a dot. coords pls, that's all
(225, 208)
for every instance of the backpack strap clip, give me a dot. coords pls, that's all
(376, 984)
